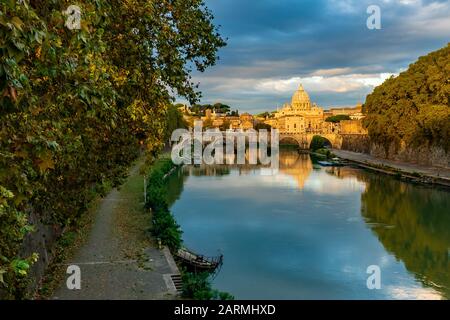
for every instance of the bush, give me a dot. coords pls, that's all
(318, 142)
(325, 152)
(198, 287)
(337, 118)
(164, 226)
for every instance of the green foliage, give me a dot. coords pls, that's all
(174, 120)
(325, 152)
(200, 109)
(164, 225)
(166, 228)
(76, 105)
(413, 108)
(262, 126)
(13, 229)
(318, 142)
(337, 118)
(197, 286)
(263, 114)
(234, 113)
(221, 108)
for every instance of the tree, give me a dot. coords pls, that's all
(264, 115)
(263, 126)
(221, 108)
(76, 104)
(337, 118)
(174, 120)
(319, 142)
(414, 107)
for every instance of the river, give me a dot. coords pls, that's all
(310, 232)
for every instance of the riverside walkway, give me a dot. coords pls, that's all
(118, 260)
(438, 174)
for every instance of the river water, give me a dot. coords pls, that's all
(311, 232)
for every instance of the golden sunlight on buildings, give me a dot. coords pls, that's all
(300, 116)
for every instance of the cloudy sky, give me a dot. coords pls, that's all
(273, 45)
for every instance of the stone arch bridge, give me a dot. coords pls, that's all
(304, 139)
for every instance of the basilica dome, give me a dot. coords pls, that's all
(300, 100)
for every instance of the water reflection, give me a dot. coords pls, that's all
(311, 232)
(295, 165)
(413, 224)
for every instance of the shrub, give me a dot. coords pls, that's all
(164, 226)
(318, 142)
(197, 286)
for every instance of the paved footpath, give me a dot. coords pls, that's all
(108, 269)
(434, 172)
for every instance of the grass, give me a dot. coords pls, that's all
(132, 220)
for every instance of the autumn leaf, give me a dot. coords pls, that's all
(17, 23)
(46, 162)
(21, 154)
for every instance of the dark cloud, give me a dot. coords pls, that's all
(277, 40)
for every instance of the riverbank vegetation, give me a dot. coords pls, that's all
(323, 153)
(165, 228)
(414, 107)
(319, 142)
(77, 106)
(197, 286)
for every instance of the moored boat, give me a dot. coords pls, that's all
(198, 263)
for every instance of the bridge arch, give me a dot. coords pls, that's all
(304, 140)
(289, 140)
(320, 139)
(295, 139)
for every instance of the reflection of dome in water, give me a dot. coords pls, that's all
(298, 166)
(289, 159)
(300, 100)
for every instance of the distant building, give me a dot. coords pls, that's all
(247, 121)
(300, 116)
(349, 111)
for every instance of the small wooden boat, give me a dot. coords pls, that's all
(198, 263)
